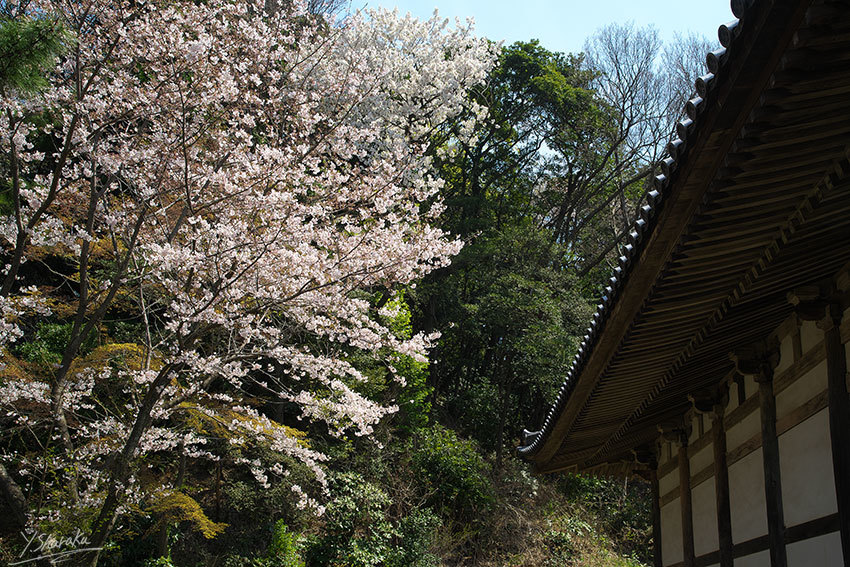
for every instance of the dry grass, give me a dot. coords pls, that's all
(540, 528)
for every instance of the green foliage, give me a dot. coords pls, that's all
(356, 531)
(50, 341)
(177, 507)
(398, 318)
(284, 548)
(416, 535)
(510, 307)
(561, 547)
(251, 514)
(515, 313)
(7, 202)
(452, 473)
(414, 398)
(620, 508)
(411, 393)
(27, 49)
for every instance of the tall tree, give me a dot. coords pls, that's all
(642, 86)
(231, 181)
(512, 302)
(543, 193)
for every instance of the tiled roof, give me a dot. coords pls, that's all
(697, 138)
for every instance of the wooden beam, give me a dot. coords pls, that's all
(800, 532)
(839, 419)
(685, 502)
(648, 457)
(784, 424)
(721, 487)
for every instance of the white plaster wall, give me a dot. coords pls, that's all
(802, 390)
(805, 462)
(668, 482)
(671, 533)
(733, 397)
(822, 551)
(760, 559)
(702, 458)
(810, 334)
(743, 430)
(746, 497)
(705, 518)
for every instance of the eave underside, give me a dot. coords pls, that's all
(774, 215)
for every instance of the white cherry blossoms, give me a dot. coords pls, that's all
(245, 178)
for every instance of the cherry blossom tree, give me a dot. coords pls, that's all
(236, 178)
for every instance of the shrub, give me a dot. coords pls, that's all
(283, 550)
(356, 531)
(416, 533)
(620, 507)
(452, 472)
(50, 341)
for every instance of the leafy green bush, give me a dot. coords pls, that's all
(50, 342)
(452, 472)
(284, 549)
(356, 531)
(621, 509)
(416, 533)
(560, 546)
(253, 517)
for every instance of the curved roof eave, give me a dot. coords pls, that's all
(752, 41)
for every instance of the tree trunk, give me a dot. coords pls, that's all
(121, 464)
(504, 403)
(14, 498)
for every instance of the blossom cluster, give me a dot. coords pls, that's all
(246, 174)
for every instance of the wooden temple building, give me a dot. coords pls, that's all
(716, 364)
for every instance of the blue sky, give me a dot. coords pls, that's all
(564, 25)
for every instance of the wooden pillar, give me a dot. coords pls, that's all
(772, 477)
(685, 501)
(656, 514)
(713, 403)
(824, 306)
(721, 486)
(759, 362)
(839, 418)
